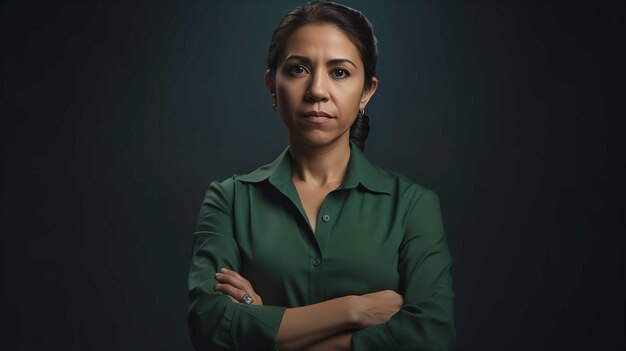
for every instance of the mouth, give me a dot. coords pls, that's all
(317, 116)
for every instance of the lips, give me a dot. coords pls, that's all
(317, 114)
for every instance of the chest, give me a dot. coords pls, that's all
(311, 200)
(353, 250)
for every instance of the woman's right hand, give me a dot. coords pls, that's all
(376, 308)
(235, 286)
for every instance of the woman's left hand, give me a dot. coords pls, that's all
(234, 285)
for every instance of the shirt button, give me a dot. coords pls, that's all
(325, 218)
(316, 262)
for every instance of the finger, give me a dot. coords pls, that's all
(227, 289)
(236, 295)
(233, 280)
(243, 281)
(233, 273)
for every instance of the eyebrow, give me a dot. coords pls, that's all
(329, 62)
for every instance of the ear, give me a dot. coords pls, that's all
(270, 83)
(367, 94)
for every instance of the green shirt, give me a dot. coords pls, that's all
(376, 231)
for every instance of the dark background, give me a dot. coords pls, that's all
(115, 116)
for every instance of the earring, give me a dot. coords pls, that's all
(361, 113)
(274, 105)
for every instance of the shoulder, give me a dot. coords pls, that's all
(419, 205)
(220, 193)
(403, 186)
(227, 188)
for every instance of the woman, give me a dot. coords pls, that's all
(320, 249)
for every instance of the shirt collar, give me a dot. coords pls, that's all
(360, 171)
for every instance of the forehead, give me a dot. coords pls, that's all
(325, 41)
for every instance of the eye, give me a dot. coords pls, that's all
(340, 73)
(297, 70)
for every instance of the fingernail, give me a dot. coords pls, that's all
(218, 274)
(216, 286)
(224, 270)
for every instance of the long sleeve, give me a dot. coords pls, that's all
(214, 321)
(425, 322)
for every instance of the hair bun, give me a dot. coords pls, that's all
(359, 131)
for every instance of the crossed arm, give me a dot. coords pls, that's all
(419, 319)
(322, 326)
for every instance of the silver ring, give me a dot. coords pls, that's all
(246, 299)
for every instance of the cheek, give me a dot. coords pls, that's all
(287, 103)
(347, 101)
(289, 95)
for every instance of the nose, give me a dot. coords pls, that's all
(318, 88)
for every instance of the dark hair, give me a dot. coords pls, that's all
(353, 23)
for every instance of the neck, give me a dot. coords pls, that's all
(320, 165)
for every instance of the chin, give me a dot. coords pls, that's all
(317, 138)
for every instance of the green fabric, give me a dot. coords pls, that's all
(377, 231)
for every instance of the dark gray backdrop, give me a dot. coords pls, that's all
(117, 115)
